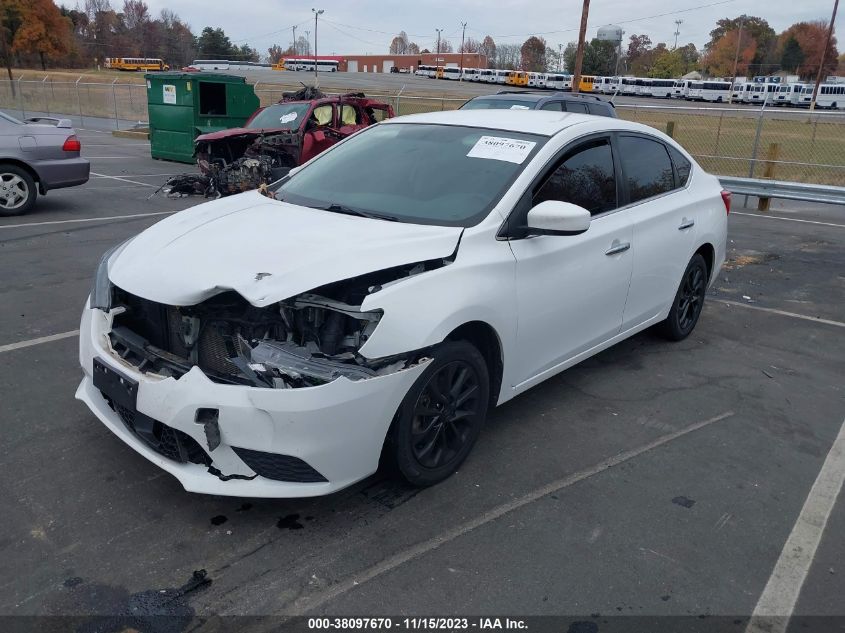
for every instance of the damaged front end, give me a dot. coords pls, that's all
(308, 340)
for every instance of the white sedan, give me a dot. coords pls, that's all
(386, 295)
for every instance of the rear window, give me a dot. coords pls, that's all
(498, 104)
(647, 167)
(682, 166)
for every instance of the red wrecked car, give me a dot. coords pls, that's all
(275, 139)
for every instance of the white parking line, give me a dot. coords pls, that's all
(139, 176)
(308, 603)
(777, 217)
(777, 602)
(109, 217)
(37, 341)
(794, 315)
(134, 182)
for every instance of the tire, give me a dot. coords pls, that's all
(689, 299)
(17, 190)
(422, 449)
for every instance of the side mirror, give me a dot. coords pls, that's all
(554, 217)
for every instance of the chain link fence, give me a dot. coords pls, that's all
(778, 143)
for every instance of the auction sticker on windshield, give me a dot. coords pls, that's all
(512, 150)
(287, 118)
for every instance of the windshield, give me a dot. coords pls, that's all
(497, 104)
(283, 115)
(420, 173)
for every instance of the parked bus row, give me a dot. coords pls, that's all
(773, 91)
(550, 81)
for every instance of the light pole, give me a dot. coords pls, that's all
(677, 31)
(463, 34)
(317, 14)
(559, 57)
(436, 56)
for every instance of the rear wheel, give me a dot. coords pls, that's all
(441, 416)
(686, 308)
(17, 190)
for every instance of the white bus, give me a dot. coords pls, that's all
(740, 90)
(789, 94)
(607, 85)
(556, 81)
(662, 88)
(694, 90)
(500, 77)
(451, 72)
(715, 91)
(469, 74)
(536, 80)
(303, 63)
(830, 96)
(642, 87)
(210, 64)
(763, 93)
(680, 89)
(425, 71)
(628, 86)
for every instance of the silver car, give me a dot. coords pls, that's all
(37, 155)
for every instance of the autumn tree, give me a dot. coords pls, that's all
(446, 46)
(44, 32)
(638, 45)
(276, 53)
(719, 59)
(765, 41)
(413, 49)
(811, 38)
(533, 54)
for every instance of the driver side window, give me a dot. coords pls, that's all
(584, 176)
(321, 116)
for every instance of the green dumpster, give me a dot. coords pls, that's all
(182, 106)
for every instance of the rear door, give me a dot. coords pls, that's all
(663, 215)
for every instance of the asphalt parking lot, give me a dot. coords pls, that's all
(652, 479)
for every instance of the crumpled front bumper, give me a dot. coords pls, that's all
(337, 428)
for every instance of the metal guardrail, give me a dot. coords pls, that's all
(783, 189)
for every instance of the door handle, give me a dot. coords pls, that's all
(617, 247)
(686, 224)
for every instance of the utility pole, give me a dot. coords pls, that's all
(559, 58)
(308, 42)
(317, 14)
(824, 54)
(463, 33)
(437, 55)
(579, 53)
(677, 31)
(295, 49)
(736, 57)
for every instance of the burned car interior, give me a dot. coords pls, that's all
(275, 139)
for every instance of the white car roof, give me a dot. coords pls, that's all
(542, 122)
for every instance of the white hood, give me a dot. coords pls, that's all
(265, 250)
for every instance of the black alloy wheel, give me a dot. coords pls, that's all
(441, 416)
(689, 300)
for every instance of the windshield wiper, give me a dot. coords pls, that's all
(339, 208)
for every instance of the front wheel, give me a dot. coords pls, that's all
(17, 190)
(441, 416)
(686, 308)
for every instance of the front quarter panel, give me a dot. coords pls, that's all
(422, 310)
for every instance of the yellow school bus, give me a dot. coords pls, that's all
(586, 83)
(279, 65)
(516, 78)
(146, 64)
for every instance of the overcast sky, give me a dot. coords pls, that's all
(367, 26)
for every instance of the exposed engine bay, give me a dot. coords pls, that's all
(308, 340)
(242, 159)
